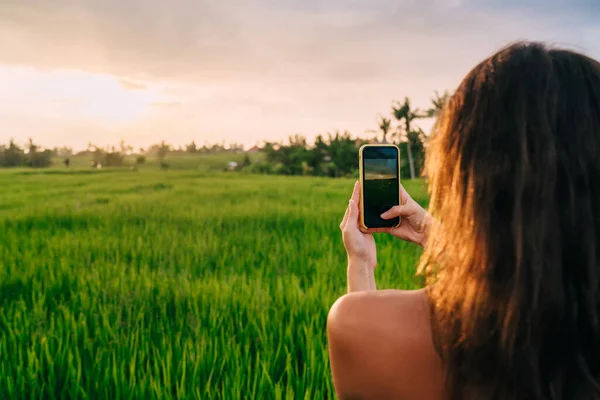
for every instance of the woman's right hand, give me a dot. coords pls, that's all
(414, 220)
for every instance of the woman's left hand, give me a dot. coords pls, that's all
(360, 246)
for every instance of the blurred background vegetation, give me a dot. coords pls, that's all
(331, 154)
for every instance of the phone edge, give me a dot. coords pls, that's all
(362, 202)
(360, 171)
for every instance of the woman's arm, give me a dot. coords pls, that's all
(360, 278)
(360, 246)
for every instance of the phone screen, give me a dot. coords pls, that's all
(380, 185)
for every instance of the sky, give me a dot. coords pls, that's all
(79, 71)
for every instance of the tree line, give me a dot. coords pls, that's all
(332, 155)
(336, 154)
(32, 155)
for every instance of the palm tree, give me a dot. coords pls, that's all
(403, 112)
(125, 148)
(385, 126)
(31, 147)
(438, 104)
(163, 150)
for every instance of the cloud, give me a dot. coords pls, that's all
(167, 104)
(135, 38)
(206, 41)
(130, 85)
(68, 101)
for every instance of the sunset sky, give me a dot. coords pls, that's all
(79, 71)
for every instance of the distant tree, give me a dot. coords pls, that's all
(438, 104)
(110, 156)
(63, 151)
(14, 156)
(163, 151)
(31, 147)
(295, 155)
(125, 148)
(343, 151)
(217, 148)
(319, 156)
(2, 155)
(140, 160)
(246, 162)
(385, 125)
(406, 115)
(236, 148)
(31, 153)
(270, 151)
(205, 148)
(36, 157)
(97, 155)
(335, 155)
(113, 158)
(416, 138)
(191, 148)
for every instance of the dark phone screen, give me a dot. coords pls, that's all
(381, 186)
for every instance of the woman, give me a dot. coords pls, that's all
(511, 309)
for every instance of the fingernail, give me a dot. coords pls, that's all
(383, 215)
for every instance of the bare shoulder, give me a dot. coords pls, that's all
(396, 305)
(380, 346)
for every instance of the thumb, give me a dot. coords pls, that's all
(397, 211)
(392, 212)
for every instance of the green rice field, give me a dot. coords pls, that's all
(177, 284)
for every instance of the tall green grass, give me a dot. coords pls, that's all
(173, 284)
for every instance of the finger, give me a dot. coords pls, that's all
(352, 222)
(379, 230)
(404, 196)
(376, 230)
(371, 230)
(356, 193)
(399, 231)
(345, 219)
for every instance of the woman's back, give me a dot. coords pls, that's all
(513, 268)
(383, 345)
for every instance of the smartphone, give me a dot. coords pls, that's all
(379, 167)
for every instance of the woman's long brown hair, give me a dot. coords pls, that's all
(514, 273)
